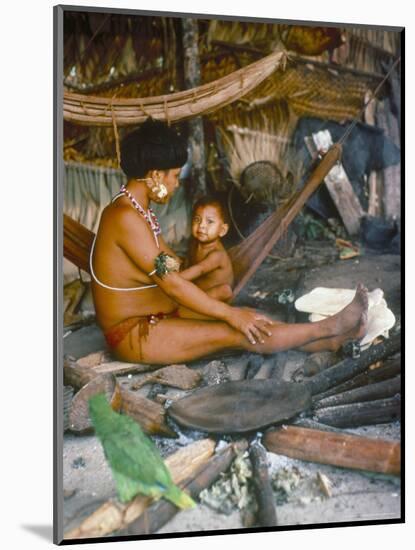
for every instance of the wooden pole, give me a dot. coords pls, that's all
(192, 79)
(337, 449)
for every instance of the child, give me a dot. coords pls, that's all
(210, 266)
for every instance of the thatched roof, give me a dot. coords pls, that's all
(140, 56)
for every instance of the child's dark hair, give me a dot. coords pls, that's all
(212, 200)
(152, 146)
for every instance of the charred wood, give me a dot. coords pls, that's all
(361, 414)
(351, 367)
(388, 370)
(378, 390)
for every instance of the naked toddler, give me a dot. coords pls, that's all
(210, 267)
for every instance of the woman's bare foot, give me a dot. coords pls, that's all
(351, 322)
(355, 312)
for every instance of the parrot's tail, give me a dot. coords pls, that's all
(179, 498)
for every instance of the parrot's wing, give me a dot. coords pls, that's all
(127, 488)
(128, 454)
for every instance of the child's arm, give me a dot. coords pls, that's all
(210, 263)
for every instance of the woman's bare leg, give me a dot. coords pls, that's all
(178, 340)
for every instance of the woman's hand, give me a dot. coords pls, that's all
(253, 324)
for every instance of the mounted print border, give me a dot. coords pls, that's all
(252, 380)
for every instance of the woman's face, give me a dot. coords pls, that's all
(165, 184)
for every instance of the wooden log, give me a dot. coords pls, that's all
(388, 370)
(77, 376)
(149, 414)
(361, 414)
(113, 515)
(160, 513)
(176, 376)
(93, 359)
(351, 367)
(345, 450)
(266, 515)
(79, 421)
(379, 390)
(338, 185)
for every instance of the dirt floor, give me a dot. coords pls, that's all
(355, 495)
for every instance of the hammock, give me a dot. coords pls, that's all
(248, 255)
(103, 111)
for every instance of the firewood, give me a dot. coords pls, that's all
(77, 375)
(92, 359)
(160, 513)
(360, 414)
(149, 414)
(79, 421)
(345, 450)
(378, 390)
(350, 367)
(386, 371)
(176, 376)
(266, 514)
(113, 515)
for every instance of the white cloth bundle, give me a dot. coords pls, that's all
(322, 302)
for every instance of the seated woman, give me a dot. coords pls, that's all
(148, 312)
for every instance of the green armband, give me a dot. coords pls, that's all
(165, 264)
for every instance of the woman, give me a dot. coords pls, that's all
(147, 311)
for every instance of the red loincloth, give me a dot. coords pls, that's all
(116, 334)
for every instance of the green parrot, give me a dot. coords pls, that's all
(135, 461)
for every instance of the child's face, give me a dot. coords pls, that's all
(208, 224)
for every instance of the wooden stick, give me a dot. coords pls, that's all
(266, 514)
(385, 372)
(351, 367)
(161, 512)
(379, 390)
(149, 414)
(360, 414)
(114, 515)
(348, 451)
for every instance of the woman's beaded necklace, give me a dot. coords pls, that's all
(148, 215)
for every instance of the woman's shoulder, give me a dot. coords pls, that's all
(122, 216)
